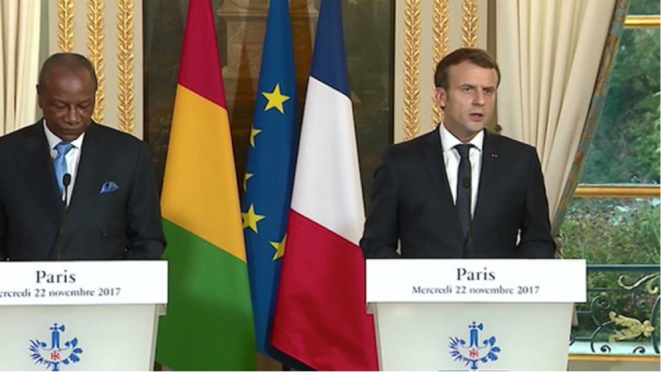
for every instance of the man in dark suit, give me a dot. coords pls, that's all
(460, 191)
(72, 189)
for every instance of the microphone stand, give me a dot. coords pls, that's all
(469, 239)
(59, 244)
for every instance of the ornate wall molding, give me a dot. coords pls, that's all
(441, 45)
(65, 21)
(95, 47)
(125, 67)
(412, 69)
(470, 23)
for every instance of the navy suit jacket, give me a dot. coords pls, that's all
(412, 204)
(123, 224)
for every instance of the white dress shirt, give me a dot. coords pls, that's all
(72, 158)
(451, 159)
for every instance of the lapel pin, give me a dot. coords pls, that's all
(494, 156)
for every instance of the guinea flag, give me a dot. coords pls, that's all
(209, 324)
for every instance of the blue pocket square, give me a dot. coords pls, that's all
(109, 187)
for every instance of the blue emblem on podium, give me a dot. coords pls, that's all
(473, 352)
(58, 353)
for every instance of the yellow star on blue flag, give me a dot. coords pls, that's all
(270, 170)
(276, 99)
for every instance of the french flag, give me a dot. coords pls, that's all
(320, 318)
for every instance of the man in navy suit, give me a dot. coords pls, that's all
(70, 188)
(460, 191)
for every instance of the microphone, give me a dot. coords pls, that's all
(466, 183)
(59, 242)
(66, 181)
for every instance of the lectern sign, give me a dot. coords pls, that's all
(81, 315)
(475, 280)
(58, 352)
(83, 283)
(473, 314)
(478, 348)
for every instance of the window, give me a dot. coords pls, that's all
(613, 221)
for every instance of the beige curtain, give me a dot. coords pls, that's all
(549, 53)
(19, 65)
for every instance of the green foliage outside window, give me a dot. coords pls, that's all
(625, 151)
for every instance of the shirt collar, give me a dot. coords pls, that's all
(53, 140)
(449, 141)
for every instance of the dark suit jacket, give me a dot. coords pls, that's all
(411, 203)
(124, 224)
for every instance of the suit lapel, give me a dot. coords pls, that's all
(489, 172)
(38, 168)
(437, 173)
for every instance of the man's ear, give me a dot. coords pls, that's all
(39, 94)
(441, 96)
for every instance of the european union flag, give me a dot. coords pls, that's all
(268, 181)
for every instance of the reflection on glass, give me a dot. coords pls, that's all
(619, 238)
(612, 231)
(644, 7)
(625, 148)
(621, 314)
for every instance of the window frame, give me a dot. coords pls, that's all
(625, 191)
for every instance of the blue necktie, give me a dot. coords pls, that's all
(60, 163)
(464, 187)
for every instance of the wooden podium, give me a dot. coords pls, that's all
(453, 315)
(80, 316)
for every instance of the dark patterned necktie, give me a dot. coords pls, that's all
(464, 183)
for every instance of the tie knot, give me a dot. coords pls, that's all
(63, 148)
(463, 150)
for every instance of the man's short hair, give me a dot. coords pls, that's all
(476, 56)
(73, 62)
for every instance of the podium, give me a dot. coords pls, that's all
(81, 315)
(475, 314)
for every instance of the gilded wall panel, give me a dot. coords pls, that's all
(425, 31)
(109, 33)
